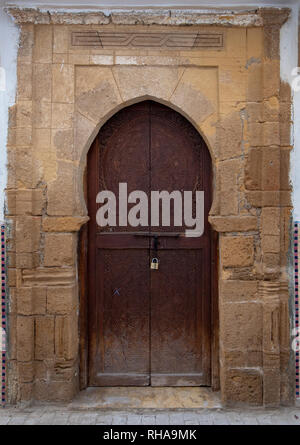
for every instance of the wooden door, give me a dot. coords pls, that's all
(148, 327)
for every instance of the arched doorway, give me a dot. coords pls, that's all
(147, 326)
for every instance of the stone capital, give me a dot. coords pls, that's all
(274, 16)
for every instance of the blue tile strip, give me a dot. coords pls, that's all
(296, 277)
(3, 316)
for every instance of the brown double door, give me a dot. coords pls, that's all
(148, 327)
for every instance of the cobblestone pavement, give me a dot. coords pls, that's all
(58, 415)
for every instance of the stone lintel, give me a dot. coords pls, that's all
(64, 223)
(170, 17)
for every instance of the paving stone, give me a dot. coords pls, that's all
(148, 420)
(61, 418)
(88, 418)
(163, 419)
(46, 419)
(264, 419)
(176, 418)
(61, 415)
(191, 422)
(104, 419)
(220, 419)
(4, 420)
(17, 420)
(119, 419)
(134, 419)
(205, 420)
(248, 420)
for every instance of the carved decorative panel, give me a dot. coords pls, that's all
(174, 40)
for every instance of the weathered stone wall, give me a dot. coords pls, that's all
(234, 97)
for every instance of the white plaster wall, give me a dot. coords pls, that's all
(9, 37)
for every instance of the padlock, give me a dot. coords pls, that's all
(154, 263)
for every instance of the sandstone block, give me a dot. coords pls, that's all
(254, 111)
(271, 108)
(11, 259)
(241, 326)
(26, 372)
(230, 136)
(271, 168)
(42, 114)
(49, 276)
(66, 336)
(42, 51)
(228, 202)
(24, 260)
(25, 392)
(85, 132)
(56, 391)
(41, 138)
(63, 83)
(285, 92)
(236, 42)
(271, 244)
(271, 388)
(31, 301)
(44, 337)
(271, 78)
(254, 84)
(26, 44)
(62, 115)
(237, 251)
(23, 136)
(63, 142)
(12, 338)
(61, 300)
(60, 39)
(254, 43)
(10, 202)
(24, 113)
(196, 92)
(25, 338)
(270, 221)
(238, 291)
(29, 202)
(255, 134)
(233, 223)
(64, 223)
(285, 133)
(229, 172)
(11, 277)
(243, 386)
(96, 92)
(285, 183)
(242, 359)
(61, 191)
(59, 249)
(42, 75)
(28, 234)
(253, 169)
(271, 134)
